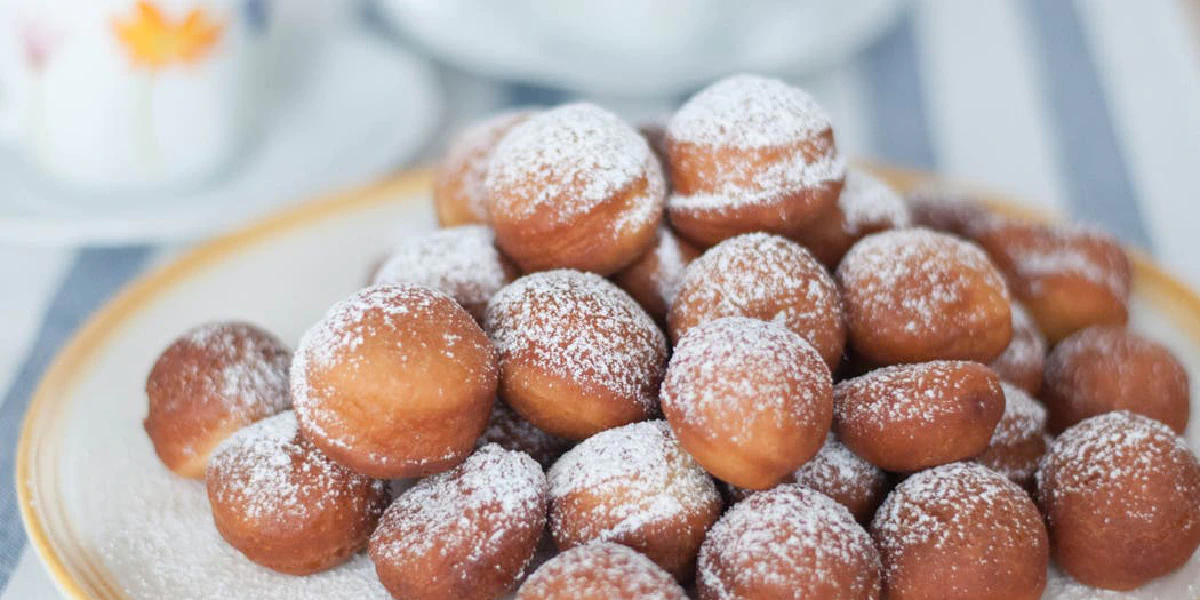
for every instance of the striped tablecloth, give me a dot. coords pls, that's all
(1089, 107)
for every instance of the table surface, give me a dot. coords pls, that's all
(1089, 107)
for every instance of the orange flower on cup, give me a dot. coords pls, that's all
(154, 40)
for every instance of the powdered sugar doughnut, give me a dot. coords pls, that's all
(1101, 369)
(461, 261)
(577, 354)
(961, 531)
(911, 417)
(634, 485)
(468, 533)
(285, 505)
(508, 430)
(395, 382)
(1121, 495)
(1024, 360)
(601, 571)
(210, 382)
(574, 187)
(1019, 441)
(654, 278)
(865, 206)
(750, 400)
(459, 193)
(750, 154)
(1069, 277)
(915, 295)
(788, 542)
(764, 277)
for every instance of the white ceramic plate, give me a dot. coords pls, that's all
(364, 108)
(110, 522)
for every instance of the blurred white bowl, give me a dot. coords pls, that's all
(640, 47)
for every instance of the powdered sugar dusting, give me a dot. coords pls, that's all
(841, 474)
(471, 150)
(1022, 425)
(953, 506)
(671, 265)
(767, 183)
(475, 509)
(1111, 349)
(887, 397)
(729, 377)
(1120, 455)
(601, 570)
(788, 538)
(565, 162)
(541, 318)
(1027, 350)
(749, 111)
(508, 430)
(273, 476)
(867, 202)
(750, 274)
(1037, 251)
(916, 278)
(461, 261)
(638, 475)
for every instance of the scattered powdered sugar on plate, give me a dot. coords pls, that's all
(461, 261)
(636, 476)
(601, 570)
(952, 506)
(788, 538)
(582, 328)
(752, 273)
(730, 376)
(567, 161)
(273, 476)
(868, 202)
(920, 279)
(1117, 454)
(471, 512)
(471, 150)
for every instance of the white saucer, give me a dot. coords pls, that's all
(365, 108)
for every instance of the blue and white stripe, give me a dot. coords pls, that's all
(1087, 106)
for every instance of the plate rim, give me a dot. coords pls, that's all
(62, 373)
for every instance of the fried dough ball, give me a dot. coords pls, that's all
(654, 278)
(750, 154)
(1020, 439)
(916, 295)
(459, 193)
(865, 206)
(1024, 360)
(1106, 368)
(574, 187)
(395, 382)
(788, 542)
(210, 382)
(961, 531)
(946, 210)
(750, 400)
(635, 486)
(600, 571)
(1069, 277)
(1121, 495)
(508, 430)
(461, 261)
(842, 475)
(286, 506)
(577, 354)
(468, 533)
(765, 277)
(912, 417)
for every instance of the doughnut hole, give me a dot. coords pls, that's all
(917, 295)
(395, 382)
(634, 486)
(654, 278)
(459, 193)
(750, 400)
(210, 382)
(600, 571)
(508, 430)
(866, 205)
(911, 417)
(1024, 360)
(1019, 441)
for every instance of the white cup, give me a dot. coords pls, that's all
(125, 95)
